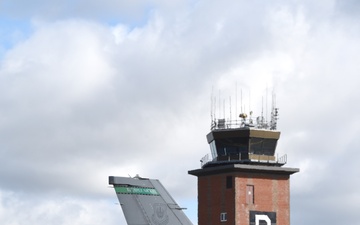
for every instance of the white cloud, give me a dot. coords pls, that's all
(23, 209)
(81, 100)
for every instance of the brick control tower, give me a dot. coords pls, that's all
(244, 183)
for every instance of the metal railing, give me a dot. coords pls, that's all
(258, 123)
(205, 160)
(282, 160)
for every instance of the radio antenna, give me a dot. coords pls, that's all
(262, 112)
(230, 107)
(274, 113)
(266, 106)
(262, 107)
(249, 101)
(219, 105)
(211, 104)
(215, 108)
(236, 101)
(224, 109)
(241, 101)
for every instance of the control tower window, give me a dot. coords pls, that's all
(213, 150)
(231, 146)
(262, 146)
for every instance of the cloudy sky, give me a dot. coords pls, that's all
(94, 88)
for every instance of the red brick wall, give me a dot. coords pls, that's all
(214, 198)
(271, 194)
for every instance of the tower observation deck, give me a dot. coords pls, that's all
(244, 141)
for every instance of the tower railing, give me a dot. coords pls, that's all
(205, 160)
(282, 159)
(248, 157)
(258, 123)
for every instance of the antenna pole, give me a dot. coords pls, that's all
(230, 107)
(266, 106)
(236, 101)
(224, 109)
(211, 104)
(214, 108)
(262, 106)
(249, 101)
(219, 105)
(241, 101)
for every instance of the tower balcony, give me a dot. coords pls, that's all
(256, 159)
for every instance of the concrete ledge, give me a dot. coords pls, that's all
(243, 168)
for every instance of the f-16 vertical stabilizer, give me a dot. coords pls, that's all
(146, 202)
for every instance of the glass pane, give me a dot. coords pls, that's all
(263, 146)
(256, 145)
(213, 149)
(231, 146)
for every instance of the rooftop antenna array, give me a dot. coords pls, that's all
(222, 121)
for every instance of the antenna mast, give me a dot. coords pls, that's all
(236, 102)
(266, 106)
(274, 113)
(230, 107)
(249, 101)
(219, 105)
(224, 109)
(211, 109)
(241, 101)
(211, 104)
(214, 108)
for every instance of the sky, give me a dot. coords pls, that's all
(91, 89)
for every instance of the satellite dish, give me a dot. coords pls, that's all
(243, 115)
